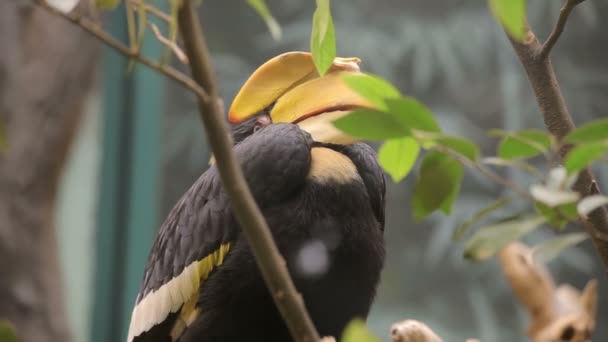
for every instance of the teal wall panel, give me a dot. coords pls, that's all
(129, 183)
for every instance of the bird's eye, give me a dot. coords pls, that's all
(262, 121)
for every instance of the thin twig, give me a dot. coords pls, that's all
(96, 31)
(153, 10)
(171, 45)
(254, 226)
(559, 123)
(129, 12)
(559, 27)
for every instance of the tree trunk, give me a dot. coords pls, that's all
(47, 68)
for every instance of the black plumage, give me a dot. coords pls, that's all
(345, 217)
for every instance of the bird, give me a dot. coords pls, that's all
(322, 193)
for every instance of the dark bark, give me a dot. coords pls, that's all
(47, 69)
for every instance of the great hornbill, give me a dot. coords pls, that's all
(322, 194)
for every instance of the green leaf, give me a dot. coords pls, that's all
(437, 185)
(460, 145)
(550, 249)
(488, 240)
(583, 155)
(557, 217)
(7, 332)
(464, 227)
(522, 144)
(398, 156)
(413, 114)
(263, 11)
(373, 88)
(323, 37)
(593, 131)
(357, 331)
(371, 125)
(106, 4)
(512, 15)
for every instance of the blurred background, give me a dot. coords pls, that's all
(139, 144)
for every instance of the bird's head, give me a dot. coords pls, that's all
(288, 88)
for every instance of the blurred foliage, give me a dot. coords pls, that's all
(7, 332)
(512, 15)
(323, 37)
(357, 331)
(262, 9)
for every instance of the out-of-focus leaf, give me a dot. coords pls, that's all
(64, 6)
(323, 37)
(583, 155)
(558, 216)
(464, 227)
(373, 88)
(512, 15)
(107, 4)
(557, 178)
(262, 9)
(437, 185)
(488, 240)
(371, 125)
(460, 145)
(552, 248)
(357, 331)
(593, 131)
(590, 203)
(398, 156)
(522, 144)
(7, 332)
(553, 197)
(518, 164)
(413, 114)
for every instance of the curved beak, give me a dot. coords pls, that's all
(290, 87)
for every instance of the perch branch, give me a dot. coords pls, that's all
(559, 121)
(268, 258)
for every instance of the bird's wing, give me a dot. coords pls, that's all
(196, 236)
(364, 158)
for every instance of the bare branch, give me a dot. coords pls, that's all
(559, 27)
(559, 123)
(96, 31)
(255, 228)
(171, 45)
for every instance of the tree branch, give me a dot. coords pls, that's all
(559, 27)
(559, 122)
(255, 228)
(96, 31)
